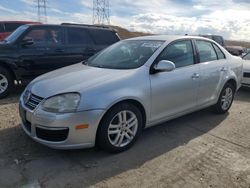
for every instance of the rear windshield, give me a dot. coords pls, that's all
(10, 27)
(103, 37)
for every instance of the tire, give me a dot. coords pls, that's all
(116, 135)
(6, 82)
(225, 100)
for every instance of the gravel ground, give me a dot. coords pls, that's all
(198, 150)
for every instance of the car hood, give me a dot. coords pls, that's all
(246, 65)
(75, 78)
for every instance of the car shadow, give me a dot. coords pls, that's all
(13, 97)
(55, 168)
(243, 95)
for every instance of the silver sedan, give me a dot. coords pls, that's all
(133, 84)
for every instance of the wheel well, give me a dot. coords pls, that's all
(2, 64)
(233, 82)
(135, 103)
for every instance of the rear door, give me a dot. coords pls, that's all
(213, 68)
(79, 45)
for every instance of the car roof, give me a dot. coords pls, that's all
(75, 26)
(28, 22)
(168, 38)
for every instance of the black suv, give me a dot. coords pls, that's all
(32, 50)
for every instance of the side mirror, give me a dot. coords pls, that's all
(27, 41)
(164, 66)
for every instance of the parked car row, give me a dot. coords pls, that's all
(118, 88)
(33, 49)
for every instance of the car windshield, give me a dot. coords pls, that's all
(13, 36)
(127, 54)
(247, 57)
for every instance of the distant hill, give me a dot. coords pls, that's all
(237, 43)
(124, 34)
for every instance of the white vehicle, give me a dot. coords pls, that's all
(246, 70)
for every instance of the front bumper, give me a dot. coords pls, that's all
(58, 130)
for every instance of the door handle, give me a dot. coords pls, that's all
(195, 75)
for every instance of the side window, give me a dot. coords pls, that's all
(78, 36)
(1, 28)
(10, 27)
(103, 37)
(180, 53)
(220, 54)
(206, 51)
(45, 36)
(219, 40)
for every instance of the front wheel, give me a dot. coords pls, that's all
(119, 128)
(225, 100)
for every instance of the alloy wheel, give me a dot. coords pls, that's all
(227, 98)
(3, 83)
(122, 128)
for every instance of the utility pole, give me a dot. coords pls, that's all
(42, 11)
(101, 12)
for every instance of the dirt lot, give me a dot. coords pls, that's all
(199, 150)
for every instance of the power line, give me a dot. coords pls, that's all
(42, 10)
(101, 12)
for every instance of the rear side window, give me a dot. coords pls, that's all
(10, 27)
(220, 54)
(206, 51)
(78, 36)
(180, 53)
(103, 37)
(219, 40)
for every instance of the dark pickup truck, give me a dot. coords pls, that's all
(32, 50)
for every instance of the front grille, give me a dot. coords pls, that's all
(55, 135)
(33, 101)
(246, 74)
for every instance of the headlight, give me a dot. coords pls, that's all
(64, 103)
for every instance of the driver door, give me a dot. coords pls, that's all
(175, 92)
(45, 54)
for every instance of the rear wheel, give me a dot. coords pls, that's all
(119, 128)
(6, 82)
(225, 100)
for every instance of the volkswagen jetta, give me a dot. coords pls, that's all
(131, 85)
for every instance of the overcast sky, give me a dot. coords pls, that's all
(230, 18)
